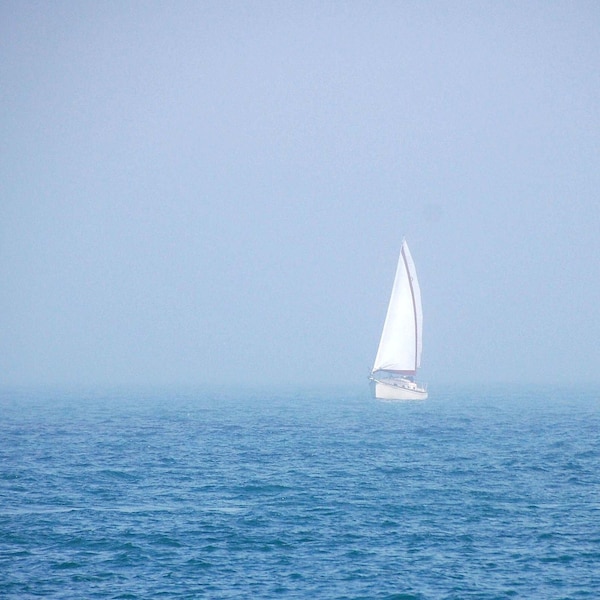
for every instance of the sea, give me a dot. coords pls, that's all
(478, 492)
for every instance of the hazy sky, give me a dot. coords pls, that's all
(198, 192)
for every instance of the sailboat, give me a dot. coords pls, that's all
(399, 353)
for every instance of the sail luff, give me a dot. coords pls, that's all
(416, 301)
(412, 294)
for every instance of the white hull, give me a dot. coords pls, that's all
(399, 389)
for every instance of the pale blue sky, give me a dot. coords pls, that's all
(193, 192)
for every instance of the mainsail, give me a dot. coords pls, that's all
(400, 345)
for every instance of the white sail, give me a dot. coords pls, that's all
(400, 345)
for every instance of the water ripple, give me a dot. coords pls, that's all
(328, 496)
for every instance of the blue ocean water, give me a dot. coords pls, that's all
(474, 493)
